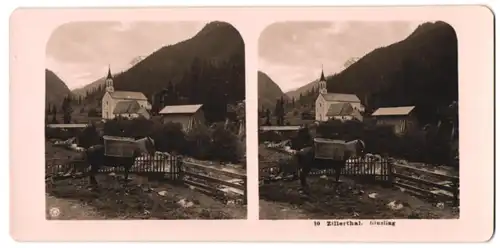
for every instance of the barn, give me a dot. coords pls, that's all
(186, 115)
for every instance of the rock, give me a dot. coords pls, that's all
(395, 205)
(440, 205)
(185, 203)
(373, 195)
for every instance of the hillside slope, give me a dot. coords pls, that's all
(55, 89)
(420, 70)
(82, 91)
(207, 69)
(268, 91)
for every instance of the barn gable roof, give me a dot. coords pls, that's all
(394, 111)
(180, 109)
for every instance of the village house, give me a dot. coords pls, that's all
(112, 98)
(325, 101)
(401, 118)
(187, 115)
(343, 112)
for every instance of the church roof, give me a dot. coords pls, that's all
(128, 95)
(126, 107)
(340, 109)
(180, 109)
(331, 97)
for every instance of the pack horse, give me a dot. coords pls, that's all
(324, 154)
(117, 152)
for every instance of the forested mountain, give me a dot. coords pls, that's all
(268, 91)
(55, 89)
(209, 69)
(420, 70)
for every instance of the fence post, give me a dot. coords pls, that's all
(179, 169)
(390, 172)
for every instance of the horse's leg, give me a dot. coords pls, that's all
(303, 176)
(93, 172)
(337, 174)
(126, 171)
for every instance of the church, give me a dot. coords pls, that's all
(336, 105)
(128, 104)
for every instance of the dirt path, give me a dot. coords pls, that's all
(66, 209)
(140, 199)
(348, 200)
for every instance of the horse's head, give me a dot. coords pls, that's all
(360, 147)
(150, 146)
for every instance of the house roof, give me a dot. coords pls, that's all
(393, 111)
(330, 97)
(339, 109)
(69, 125)
(128, 95)
(279, 128)
(126, 107)
(180, 109)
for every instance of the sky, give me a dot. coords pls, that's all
(80, 52)
(293, 53)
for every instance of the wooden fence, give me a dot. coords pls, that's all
(214, 181)
(386, 172)
(368, 168)
(219, 182)
(402, 178)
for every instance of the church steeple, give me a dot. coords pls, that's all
(322, 82)
(109, 81)
(109, 73)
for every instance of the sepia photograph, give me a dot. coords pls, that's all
(358, 120)
(145, 120)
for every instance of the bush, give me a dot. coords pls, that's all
(89, 137)
(199, 142)
(169, 137)
(92, 112)
(224, 145)
(56, 133)
(136, 128)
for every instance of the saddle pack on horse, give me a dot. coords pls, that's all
(329, 149)
(115, 146)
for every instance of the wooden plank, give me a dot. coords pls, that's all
(203, 187)
(423, 181)
(426, 171)
(421, 191)
(214, 180)
(413, 188)
(214, 170)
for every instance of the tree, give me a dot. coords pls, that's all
(67, 109)
(268, 117)
(279, 111)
